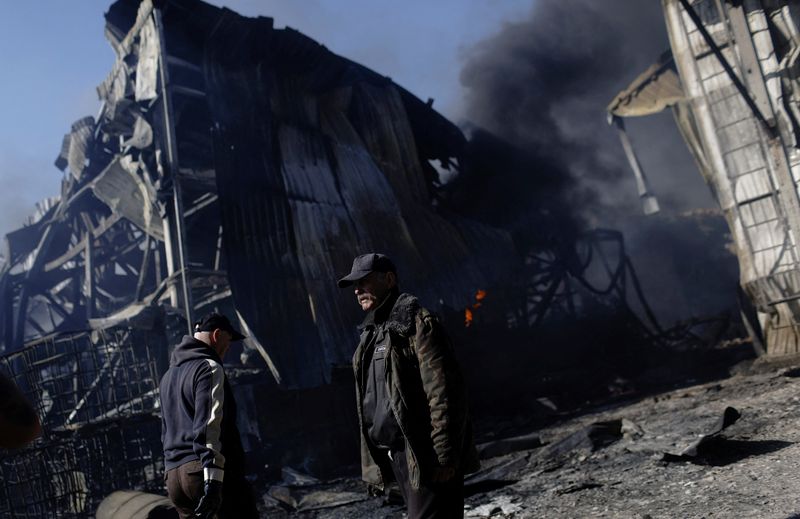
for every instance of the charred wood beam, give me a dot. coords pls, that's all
(38, 260)
(157, 265)
(213, 298)
(201, 203)
(173, 165)
(202, 278)
(111, 363)
(176, 61)
(116, 300)
(97, 232)
(187, 91)
(162, 287)
(88, 262)
(143, 269)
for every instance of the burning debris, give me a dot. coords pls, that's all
(480, 295)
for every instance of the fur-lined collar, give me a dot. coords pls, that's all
(402, 318)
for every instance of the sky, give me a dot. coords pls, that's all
(53, 54)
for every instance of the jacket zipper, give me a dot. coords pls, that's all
(397, 419)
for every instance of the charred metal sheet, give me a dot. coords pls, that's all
(80, 140)
(328, 168)
(699, 448)
(125, 193)
(23, 241)
(147, 65)
(142, 137)
(652, 91)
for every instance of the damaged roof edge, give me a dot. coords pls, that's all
(652, 91)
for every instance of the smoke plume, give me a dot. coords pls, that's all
(543, 84)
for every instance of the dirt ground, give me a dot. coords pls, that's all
(748, 470)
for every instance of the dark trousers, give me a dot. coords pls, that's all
(185, 488)
(431, 500)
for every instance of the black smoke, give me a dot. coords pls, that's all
(543, 84)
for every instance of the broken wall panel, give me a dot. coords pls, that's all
(749, 165)
(351, 171)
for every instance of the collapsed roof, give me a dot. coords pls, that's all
(240, 167)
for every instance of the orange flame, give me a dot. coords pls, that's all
(469, 316)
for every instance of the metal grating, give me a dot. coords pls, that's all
(86, 378)
(96, 394)
(68, 478)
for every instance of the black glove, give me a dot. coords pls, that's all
(209, 504)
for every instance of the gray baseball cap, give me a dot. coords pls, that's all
(364, 264)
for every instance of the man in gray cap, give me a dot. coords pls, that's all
(203, 455)
(411, 399)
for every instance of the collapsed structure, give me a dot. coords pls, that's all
(731, 80)
(237, 167)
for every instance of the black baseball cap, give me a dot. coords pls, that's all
(212, 321)
(366, 263)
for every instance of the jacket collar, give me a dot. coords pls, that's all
(380, 314)
(398, 312)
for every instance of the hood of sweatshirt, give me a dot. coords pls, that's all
(189, 349)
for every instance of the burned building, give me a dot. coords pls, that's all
(730, 79)
(238, 167)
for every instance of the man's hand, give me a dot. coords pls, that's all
(443, 474)
(209, 504)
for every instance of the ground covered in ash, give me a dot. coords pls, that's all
(722, 449)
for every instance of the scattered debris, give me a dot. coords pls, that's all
(573, 487)
(508, 445)
(697, 449)
(294, 478)
(494, 475)
(301, 492)
(502, 504)
(630, 430)
(589, 439)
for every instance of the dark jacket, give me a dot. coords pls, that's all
(425, 388)
(198, 413)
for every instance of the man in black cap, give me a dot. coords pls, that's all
(203, 455)
(411, 397)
